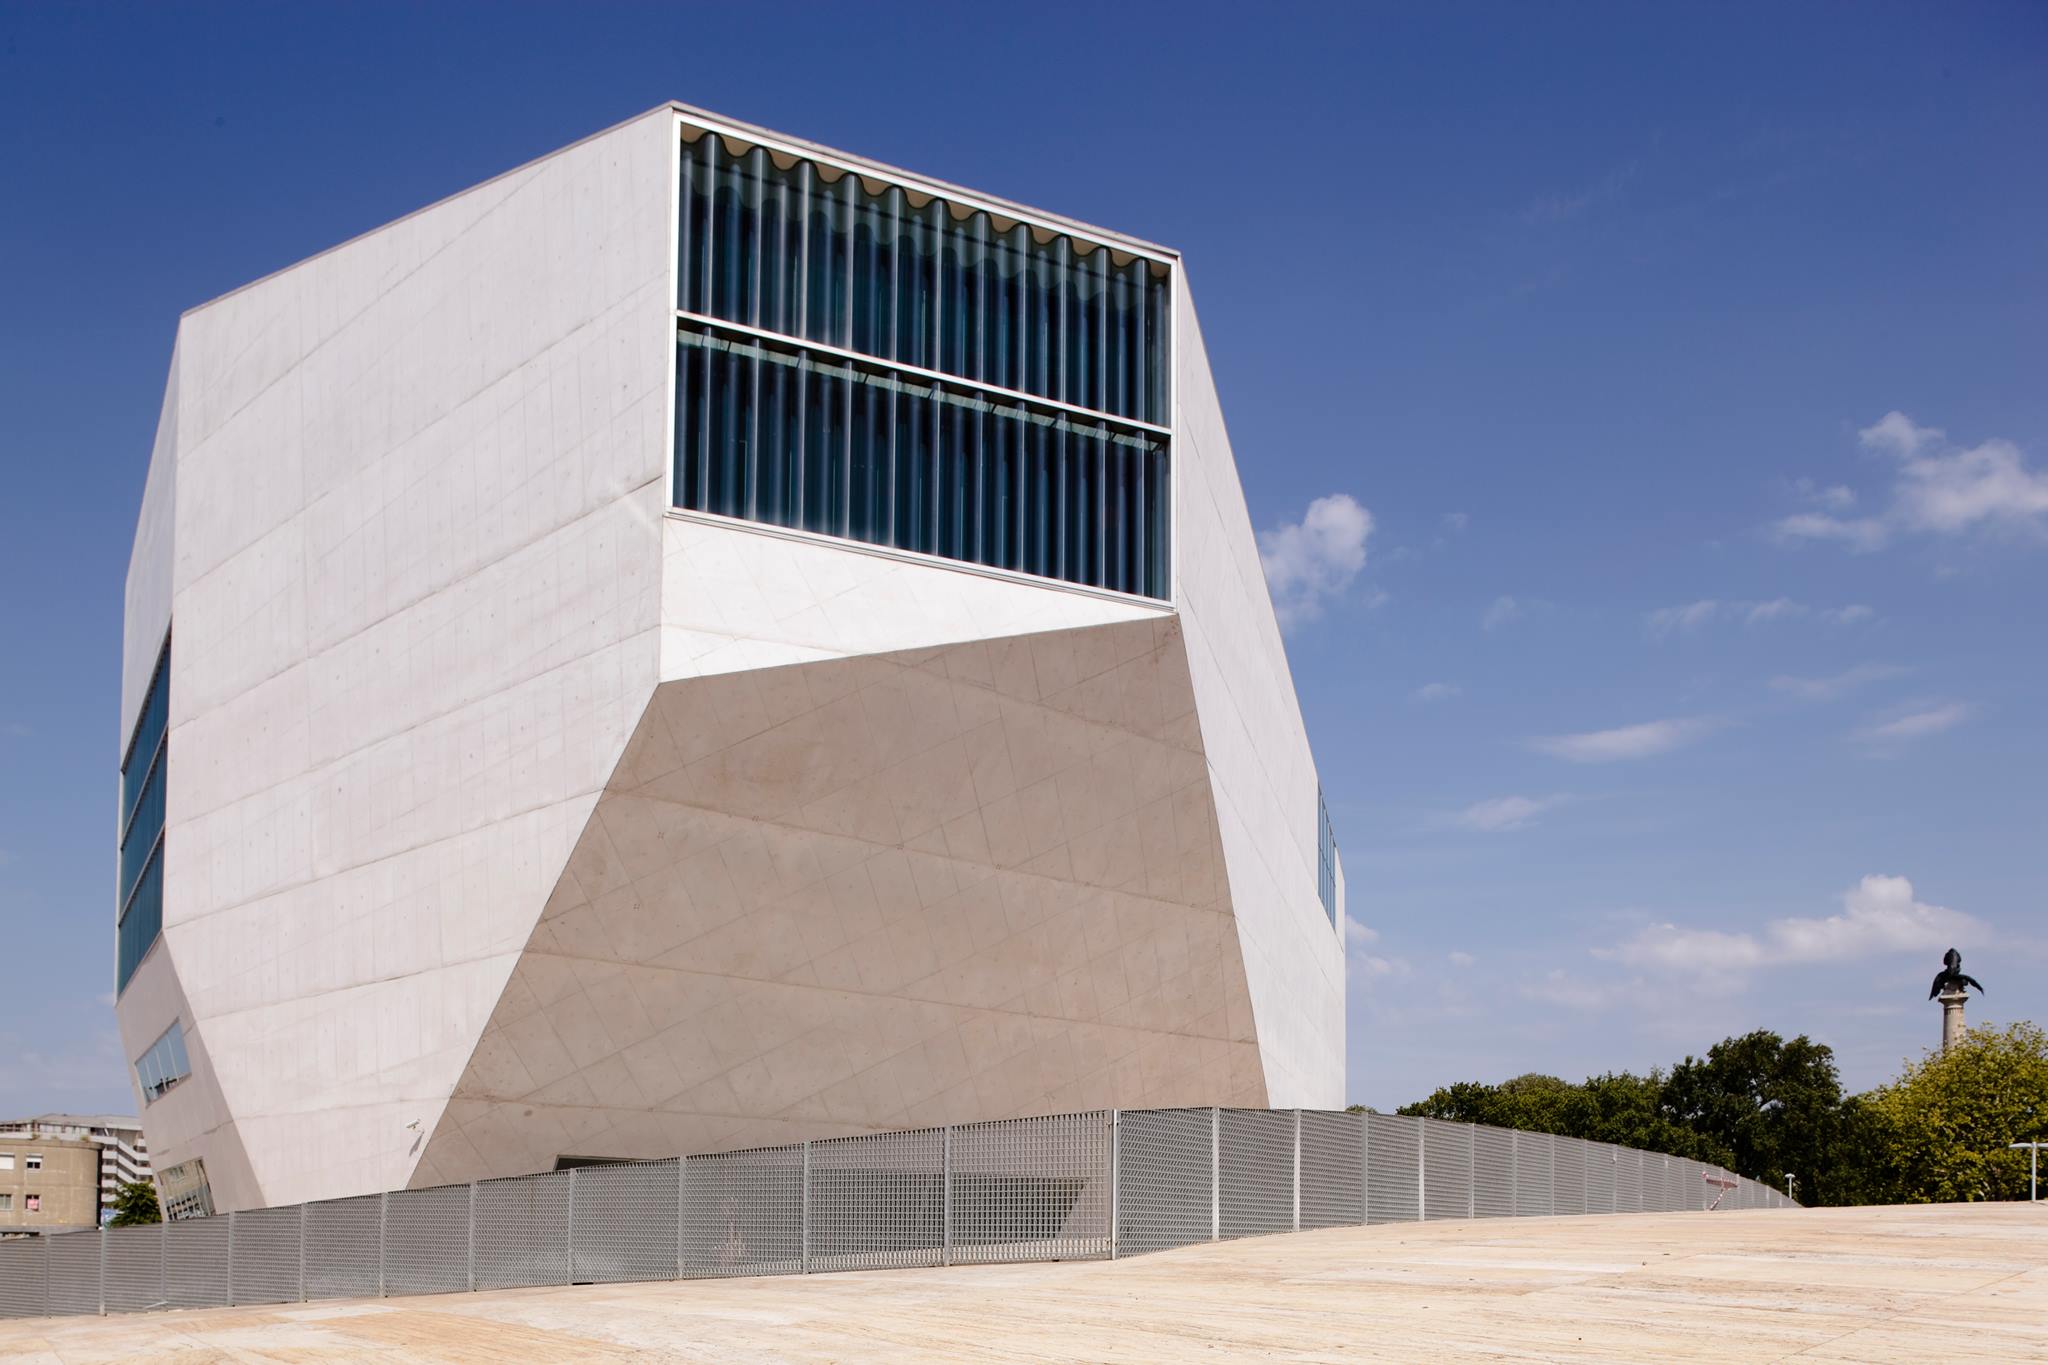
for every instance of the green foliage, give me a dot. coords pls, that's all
(1945, 1123)
(1764, 1107)
(134, 1203)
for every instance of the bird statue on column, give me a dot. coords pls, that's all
(1951, 976)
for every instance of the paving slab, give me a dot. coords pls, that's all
(1825, 1285)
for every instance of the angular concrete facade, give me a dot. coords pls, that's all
(513, 814)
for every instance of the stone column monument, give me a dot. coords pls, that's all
(1951, 988)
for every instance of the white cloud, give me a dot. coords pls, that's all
(1359, 961)
(1503, 813)
(1879, 915)
(1436, 691)
(1837, 685)
(1835, 498)
(1312, 560)
(1776, 609)
(1503, 610)
(1627, 741)
(1358, 934)
(1940, 489)
(1457, 521)
(1667, 620)
(1852, 615)
(1906, 726)
(1461, 959)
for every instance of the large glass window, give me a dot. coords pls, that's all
(164, 1065)
(1326, 859)
(813, 252)
(140, 908)
(784, 435)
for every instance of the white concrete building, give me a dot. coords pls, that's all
(698, 642)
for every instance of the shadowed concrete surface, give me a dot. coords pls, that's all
(1832, 1284)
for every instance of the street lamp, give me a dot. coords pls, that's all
(2033, 1168)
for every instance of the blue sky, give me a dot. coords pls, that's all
(1672, 633)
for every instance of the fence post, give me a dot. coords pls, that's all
(1364, 1170)
(302, 1252)
(571, 1257)
(231, 1258)
(1422, 1170)
(1115, 1195)
(803, 1264)
(682, 1178)
(103, 1270)
(1297, 1170)
(383, 1199)
(1215, 1174)
(472, 1237)
(946, 1198)
(163, 1264)
(1471, 1173)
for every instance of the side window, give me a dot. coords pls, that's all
(163, 1065)
(34, 1162)
(32, 1204)
(6, 1203)
(6, 1161)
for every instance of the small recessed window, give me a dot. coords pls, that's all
(32, 1204)
(6, 1203)
(34, 1162)
(164, 1065)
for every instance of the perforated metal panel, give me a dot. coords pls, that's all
(743, 1213)
(1533, 1175)
(134, 1268)
(1447, 1163)
(1032, 1189)
(626, 1225)
(1493, 1172)
(196, 1263)
(1628, 1180)
(1255, 1165)
(426, 1240)
(521, 1231)
(266, 1255)
(74, 1273)
(1393, 1168)
(1568, 1175)
(1332, 1169)
(878, 1201)
(1164, 1181)
(1668, 1195)
(343, 1247)
(1599, 1178)
(1690, 1185)
(24, 1278)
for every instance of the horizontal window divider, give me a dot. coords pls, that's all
(920, 372)
(918, 557)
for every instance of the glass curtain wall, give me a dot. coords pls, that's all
(799, 437)
(140, 912)
(788, 437)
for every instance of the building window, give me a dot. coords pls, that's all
(1326, 859)
(770, 433)
(32, 1203)
(938, 379)
(184, 1191)
(6, 1161)
(164, 1065)
(6, 1203)
(34, 1162)
(140, 911)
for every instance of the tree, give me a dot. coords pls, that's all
(135, 1203)
(1618, 1107)
(1776, 1107)
(1945, 1122)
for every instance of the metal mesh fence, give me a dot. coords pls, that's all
(1255, 1171)
(344, 1246)
(1332, 1169)
(1447, 1169)
(1064, 1186)
(24, 1278)
(520, 1231)
(426, 1240)
(1533, 1174)
(1493, 1173)
(1165, 1169)
(743, 1213)
(1393, 1169)
(1030, 1189)
(878, 1201)
(626, 1222)
(196, 1262)
(134, 1268)
(74, 1273)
